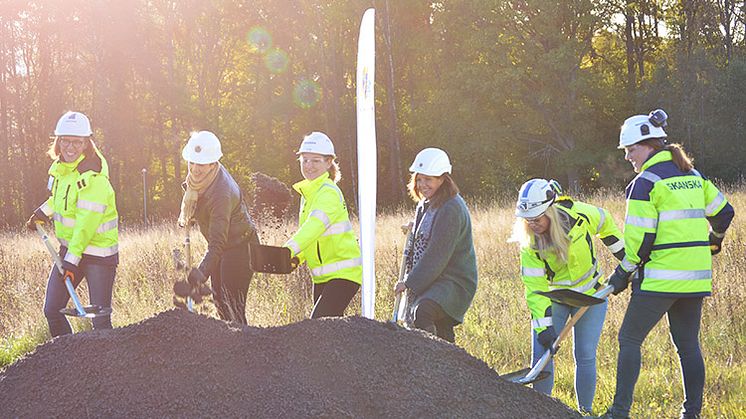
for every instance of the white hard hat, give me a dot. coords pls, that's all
(202, 148)
(534, 198)
(641, 127)
(318, 143)
(73, 124)
(431, 162)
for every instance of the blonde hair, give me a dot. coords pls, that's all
(554, 240)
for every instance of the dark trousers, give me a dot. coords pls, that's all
(684, 316)
(330, 299)
(100, 280)
(230, 283)
(430, 317)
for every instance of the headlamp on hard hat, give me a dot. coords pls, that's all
(658, 118)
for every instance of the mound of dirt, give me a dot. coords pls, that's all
(183, 364)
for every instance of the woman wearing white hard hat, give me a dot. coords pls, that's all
(214, 200)
(676, 220)
(325, 239)
(558, 252)
(83, 207)
(441, 271)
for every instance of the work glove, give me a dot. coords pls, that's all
(196, 277)
(619, 281)
(716, 243)
(37, 217)
(70, 271)
(547, 337)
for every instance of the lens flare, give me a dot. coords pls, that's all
(306, 93)
(276, 60)
(259, 39)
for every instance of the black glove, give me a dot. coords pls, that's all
(196, 277)
(619, 280)
(37, 217)
(716, 243)
(547, 337)
(70, 271)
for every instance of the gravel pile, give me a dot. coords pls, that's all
(179, 364)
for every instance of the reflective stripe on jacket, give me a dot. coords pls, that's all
(83, 207)
(580, 273)
(666, 228)
(325, 238)
(605, 227)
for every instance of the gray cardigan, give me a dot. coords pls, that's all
(447, 271)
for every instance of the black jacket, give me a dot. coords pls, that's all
(223, 219)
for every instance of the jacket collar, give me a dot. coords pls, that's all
(308, 187)
(62, 168)
(658, 157)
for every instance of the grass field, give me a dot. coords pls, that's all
(496, 328)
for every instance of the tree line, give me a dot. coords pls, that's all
(510, 89)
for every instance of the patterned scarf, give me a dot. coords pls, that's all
(194, 187)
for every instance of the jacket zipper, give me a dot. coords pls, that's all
(318, 252)
(67, 192)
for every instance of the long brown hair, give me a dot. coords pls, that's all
(54, 148)
(683, 161)
(447, 190)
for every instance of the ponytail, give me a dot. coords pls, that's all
(680, 158)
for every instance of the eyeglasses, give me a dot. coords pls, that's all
(535, 220)
(73, 142)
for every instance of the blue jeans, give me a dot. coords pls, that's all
(586, 333)
(684, 317)
(100, 285)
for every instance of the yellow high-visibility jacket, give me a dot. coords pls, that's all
(580, 273)
(83, 207)
(325, 239)
(667, 227)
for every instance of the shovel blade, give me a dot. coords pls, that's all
(571, 298)
(90, 312)
(519, 377)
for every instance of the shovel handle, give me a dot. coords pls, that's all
(58, 264)
(399, 308)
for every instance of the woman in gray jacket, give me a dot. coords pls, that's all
(442, 265)
(213, 199)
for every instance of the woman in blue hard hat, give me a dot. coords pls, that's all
(558, 252)
(325, 239)
(441, 273)
(214, 200)
(676, 221)
(83, 208)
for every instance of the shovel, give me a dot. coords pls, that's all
(535, 373)
(79, 310)
(271, 259)
(184, 288)
(399, 308)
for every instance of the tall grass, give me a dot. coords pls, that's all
(496, 328)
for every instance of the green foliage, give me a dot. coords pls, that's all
(509, 89)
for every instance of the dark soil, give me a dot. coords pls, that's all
(179, 364)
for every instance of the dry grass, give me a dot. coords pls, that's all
(496, 327)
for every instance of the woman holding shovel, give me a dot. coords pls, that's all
(442, 267)
(676, 220)
(558, 252)
(325, 239)
(214, 200)
(83, 207)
